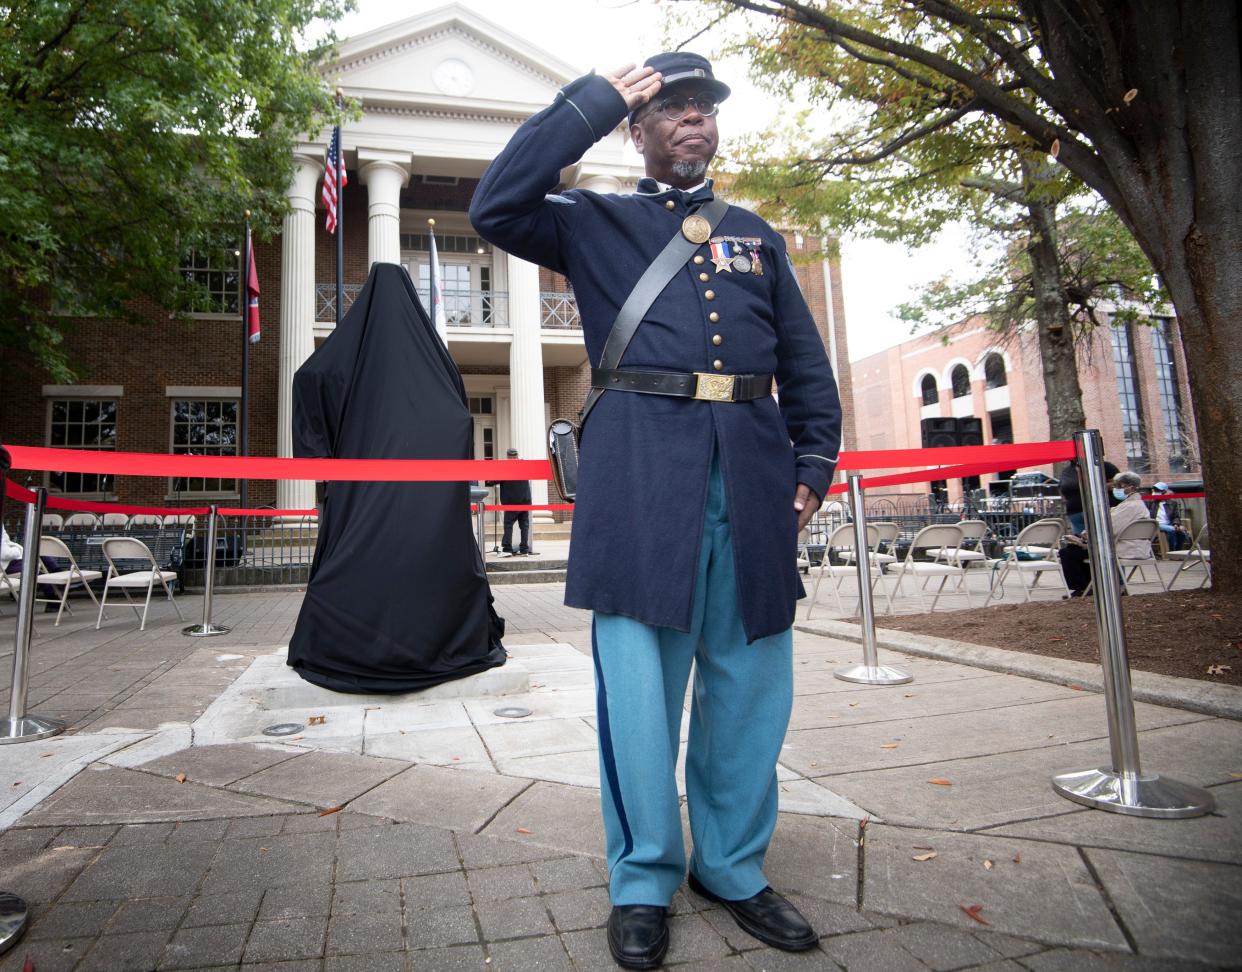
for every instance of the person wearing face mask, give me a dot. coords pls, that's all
(1075, 564)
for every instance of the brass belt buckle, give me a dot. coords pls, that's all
(714, 388)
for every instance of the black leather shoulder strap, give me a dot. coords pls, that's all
(650, 285)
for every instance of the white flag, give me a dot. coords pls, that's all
(437, 293)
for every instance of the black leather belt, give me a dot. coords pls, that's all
(703, 385)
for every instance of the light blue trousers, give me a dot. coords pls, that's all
(742, 700)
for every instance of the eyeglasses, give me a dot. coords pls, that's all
(675, 106)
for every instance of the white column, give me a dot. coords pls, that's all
(528, 431)
(297, 314)
(384, 174)
(598, 182)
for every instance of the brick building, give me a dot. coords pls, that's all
(1133, 379)
(440, 95)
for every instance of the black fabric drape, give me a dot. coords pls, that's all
(398, 598)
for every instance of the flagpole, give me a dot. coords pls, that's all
(431, 273)
(244, 432)
(340, 220)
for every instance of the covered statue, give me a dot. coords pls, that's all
(398, 598)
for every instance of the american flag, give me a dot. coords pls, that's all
(329, 193)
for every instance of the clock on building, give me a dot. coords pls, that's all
(453, 76)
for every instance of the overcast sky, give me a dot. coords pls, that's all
(604, 34)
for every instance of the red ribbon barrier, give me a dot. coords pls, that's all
(519, 507)
(266, 467)
(1156, 497)
(449, 470)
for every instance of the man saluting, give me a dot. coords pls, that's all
(693, 485)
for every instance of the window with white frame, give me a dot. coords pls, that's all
(212, 276)
(204, 427)
(82, 423)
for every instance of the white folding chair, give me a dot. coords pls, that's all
(114, 520)
(52, 521)
(130, 549)
(187, 520)
(64, 578)
(1145, 529)
(1199, 552)
(937, 536)
(82, 521)
(145, 521)
(10, 583)
(880, 543)
(973, 532)
(1032, 552)
(841, 540)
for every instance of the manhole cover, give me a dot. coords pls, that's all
(512, 712)
(284, 729)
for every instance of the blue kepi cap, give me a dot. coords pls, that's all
(676, 67)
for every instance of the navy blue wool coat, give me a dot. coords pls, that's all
(645, 459)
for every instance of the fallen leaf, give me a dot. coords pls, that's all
(988, 865)
(180, 777)
(521, 830)
(1055, 148)
(18, 783)
(853, 704)
(1075, 688)
(1130, 95)
(45, 755)
(908, 695)
(862, 824)
(316, 720)
(1017, 858)
(940, 781)
(973, 912)
(324, 813)
(888, 745)
(28, 965)
(924, 857)
(1219, 669)
(1236, 776)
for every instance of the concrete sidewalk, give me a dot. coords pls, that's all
(165, 832)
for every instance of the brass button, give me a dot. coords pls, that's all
(717, 339)
(704, 277)
(709, 294)
(717, 364)
(670, 204)
(698, 258)
(713, 317)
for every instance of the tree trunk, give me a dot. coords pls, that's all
(1062, 392)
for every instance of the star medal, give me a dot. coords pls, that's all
(720, 256)
(741, 263)
(696, 229)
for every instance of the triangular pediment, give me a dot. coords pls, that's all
(452, 53)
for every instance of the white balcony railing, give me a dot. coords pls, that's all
(558, 310)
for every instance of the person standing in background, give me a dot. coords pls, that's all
(515, 492)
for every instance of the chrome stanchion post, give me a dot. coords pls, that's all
(20, 726)
(1123, 788)
(205, 629)
(870, 672)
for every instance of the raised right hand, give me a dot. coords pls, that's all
(636, 85)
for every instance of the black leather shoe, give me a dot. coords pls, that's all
(768, 917)
(638, 936)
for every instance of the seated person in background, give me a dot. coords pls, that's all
(1169, 521)
(10, 553)
(1071, 493)
(1130, 507)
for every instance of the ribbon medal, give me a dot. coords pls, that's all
(722, 255)
(738, 253)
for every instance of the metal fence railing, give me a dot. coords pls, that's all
(558, 310)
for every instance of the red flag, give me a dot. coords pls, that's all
(330, 189)
(252, 294)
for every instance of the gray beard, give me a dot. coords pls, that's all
(689, 171)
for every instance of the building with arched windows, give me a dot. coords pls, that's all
(439, 95)
(1133, 379)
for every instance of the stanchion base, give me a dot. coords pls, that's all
(874, 675)
(29, 727)
(204, 630)
(1137, 796)
(13, 917)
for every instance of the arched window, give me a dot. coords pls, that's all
(961, 381)
(931, 394)
(994, 371)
